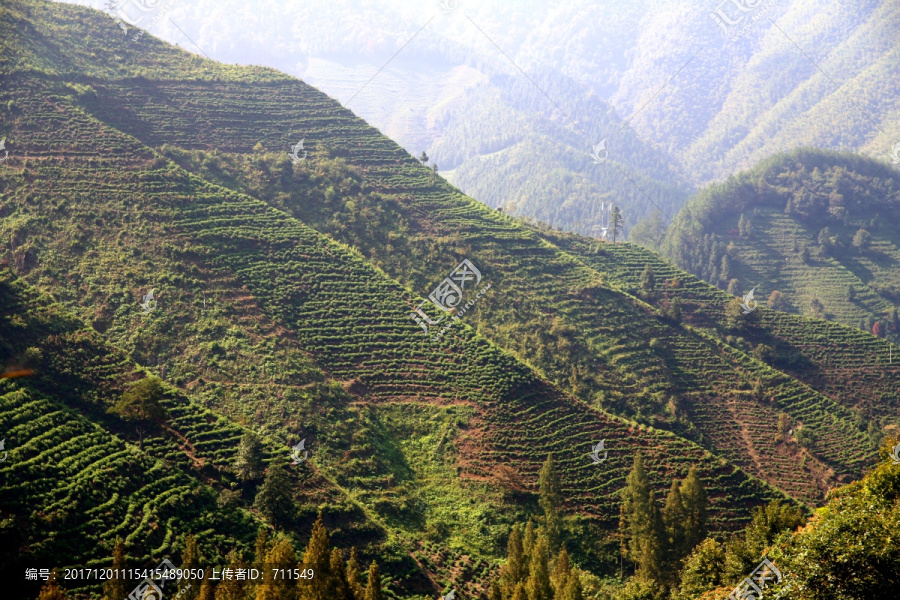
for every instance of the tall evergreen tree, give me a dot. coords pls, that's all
(233, 589)
(615, 222)
(574, 590)
(248, 466)
(561, 573)
(538, 585)
(318, 558)
(190, 559)
(276, 584)
(693, 497)
(648, 280)
(520, 593)
(640, 523)
(528, 541)
(207, 589)
(339, 583)
(496, 592)
(373, 587)
(514, 570)
(353, 576)
(274, 499)
(261, 547)
(114, 588)
(550, 500)
(674, 522)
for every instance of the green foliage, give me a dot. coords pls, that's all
(275, 499)
(551, 501)
(142, 402)
(640, 525)
(248, 464)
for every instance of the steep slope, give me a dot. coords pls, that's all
(545, 302)
(440, 442)
(812, 225)
(699, 101)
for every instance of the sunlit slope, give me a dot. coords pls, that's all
(549, 308)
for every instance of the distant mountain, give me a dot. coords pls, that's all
(510, 99)
(816, 227)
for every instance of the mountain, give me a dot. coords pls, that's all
(813, 226)
(285, 290)
(680, 100)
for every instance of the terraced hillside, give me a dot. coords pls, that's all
(306, 334)
(420, 432)
(818, 227)
(75, 479)
(853, 368)
(362, 189)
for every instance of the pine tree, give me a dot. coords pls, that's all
(495, 594)
(574, 590)
(353, 576)
(318, 558)
(261, 547)
(339, 583)
(561, 572)
(528, 541)
(520, 593)
(693, 496)
(274, 499)
(276, 584)
(51, 589)
(615, 221)
(514, 570)
(640, 523)
(674, 521)
(538, 585)
(550, 500)
(207, 589)
(233, 589)
(190, 559)
(373, 587)
(248, 465)
(114, 588)
(423, 158)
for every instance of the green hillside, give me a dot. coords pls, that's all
(813, 225)
(284, 299)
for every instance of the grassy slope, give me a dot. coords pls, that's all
(545, 302)
(483, 408)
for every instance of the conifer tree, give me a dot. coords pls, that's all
(339, 583)
(574, 590)
(561, 573)
(190, 559)
(51, 590)
(274, 499)
(693, 497)
(538, 585)
(528, 541)
(276, 584)
(318, 558)
(248, 465)
(233, 589)
(261, 547)
(495, 592)
(520, 593)
(514, 570)
(615, 222)
(550, 501)
(353, 576)
(114, 588)
(648, 280)
(640, 523)
(373, 587)
(207, 589)
(674, 518)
